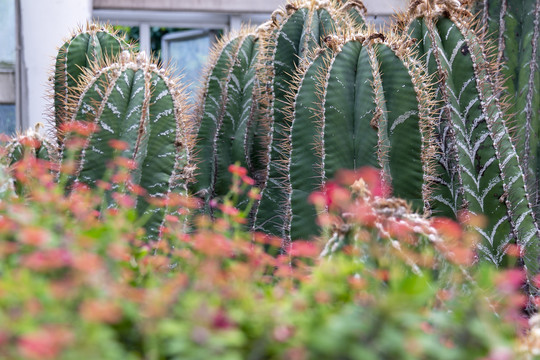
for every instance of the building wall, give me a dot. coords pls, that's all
(375, 7)
(44, 24)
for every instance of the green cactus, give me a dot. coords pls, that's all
(29, 144)
(7, 188)
(362, 101)
(226, 114)
(87, 45)
(479, 167)
(288, 39)
(136, 102)
(514, 26)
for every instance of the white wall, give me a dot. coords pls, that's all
(45, 24)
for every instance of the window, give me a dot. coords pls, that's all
(187, 51)
(7, 67)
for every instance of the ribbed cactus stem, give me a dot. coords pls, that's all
(293, 34)
(489, 172)
(136, 102)
(226, 114)
(514, 26)
(87, 45)
(363, 101)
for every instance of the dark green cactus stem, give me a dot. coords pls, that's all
(363, 101)
(293, 34)
(136, 102)
(471, 120)
(226, 115)
(86, 46)
(514, 26)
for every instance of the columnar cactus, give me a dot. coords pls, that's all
(362, 101)
(226, 114)
(479, 168)
(290, 38)
(136, 102)
(514, 27)
(87, 45)
(241, 112)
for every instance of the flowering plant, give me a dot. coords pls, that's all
(78, 280)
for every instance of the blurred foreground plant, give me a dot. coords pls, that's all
(79, 281)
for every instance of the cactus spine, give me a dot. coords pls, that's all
(135, 101)
(86, 46)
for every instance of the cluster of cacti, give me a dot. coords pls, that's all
(136, 110)
(422, 103)
(314, 90)
(243, 115)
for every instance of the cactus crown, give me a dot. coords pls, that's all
(87, 45)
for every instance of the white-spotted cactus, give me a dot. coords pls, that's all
(136, 102)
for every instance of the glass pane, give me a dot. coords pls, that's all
(189, 56)
(7, 119)
(7, 33)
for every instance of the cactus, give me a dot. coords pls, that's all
(285, 43)
(7, 188)
(226, 114)
(362, 101)
(239, 118)
(514, 26)
(86, 46)
(136, 102)
(29, 144)
(481, 169)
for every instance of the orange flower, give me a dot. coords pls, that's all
(304, 249)
(237, 170)
(34, 236)
(47, 260)
(44, 344)
(100, 311)
(118, 144)
(83, 128)
(448, 229)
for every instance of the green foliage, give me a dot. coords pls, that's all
(215, 293)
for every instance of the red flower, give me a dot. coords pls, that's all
(34, 236)
(510, 280)
(100, 311)
(118, 144)
(44, 344)
(83, 128)
(237, 170)
(48, 260)
(304, 249)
